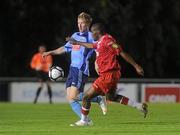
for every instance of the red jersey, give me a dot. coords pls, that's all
(106, 53)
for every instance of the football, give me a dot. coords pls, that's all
(56, 73)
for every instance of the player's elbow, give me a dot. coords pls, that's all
(123, 54)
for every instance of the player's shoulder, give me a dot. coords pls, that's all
(87, 35)
(108, 40)
(36, 54)
(90, 35)
(75, 34)
(108, 37)
(89, 32)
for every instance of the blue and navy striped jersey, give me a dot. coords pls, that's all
(80, 54)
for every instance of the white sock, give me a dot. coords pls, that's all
(134, 104)
(84, 117)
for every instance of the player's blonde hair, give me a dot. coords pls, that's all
(86, 17)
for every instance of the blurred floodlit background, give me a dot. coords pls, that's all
(147, 29)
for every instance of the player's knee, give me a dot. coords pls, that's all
(70, 98)
(118, 98)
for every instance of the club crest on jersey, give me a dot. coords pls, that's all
(114, 45)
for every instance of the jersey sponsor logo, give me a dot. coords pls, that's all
(76, 47)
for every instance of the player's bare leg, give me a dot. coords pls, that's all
(72, 93)
(112, 96)
(86, 105)
(101, 100)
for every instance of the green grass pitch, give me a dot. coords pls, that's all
(46, 119)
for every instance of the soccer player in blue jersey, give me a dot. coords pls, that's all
(79, 68)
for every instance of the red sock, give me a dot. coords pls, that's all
(84, 111)
(124, 100)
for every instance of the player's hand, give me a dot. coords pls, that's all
(38, 68)
(139, 70)
(71, 40)
(44, 54)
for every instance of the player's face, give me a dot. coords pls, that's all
(95, 33)
(42, 49)
(82, 25)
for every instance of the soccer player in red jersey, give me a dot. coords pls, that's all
(109, 72)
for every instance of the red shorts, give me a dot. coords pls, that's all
(106, 82)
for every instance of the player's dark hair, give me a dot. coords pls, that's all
(42, 45)
(100, 27)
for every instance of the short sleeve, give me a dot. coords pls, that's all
(112, 44)
(90, 38)
(68, 45)
(95, 45)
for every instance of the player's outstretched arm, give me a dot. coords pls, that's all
(130, 60)
(75, 42)
(57, 51)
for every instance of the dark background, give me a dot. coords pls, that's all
(149, 30)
